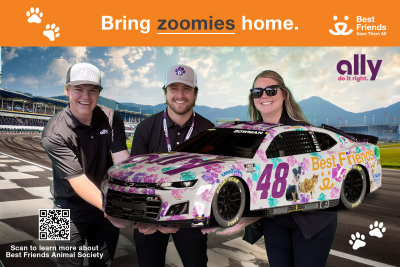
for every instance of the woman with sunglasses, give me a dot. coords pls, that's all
(298, 238)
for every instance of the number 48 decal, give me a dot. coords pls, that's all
(282, 171)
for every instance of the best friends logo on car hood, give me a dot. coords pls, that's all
(164, 163)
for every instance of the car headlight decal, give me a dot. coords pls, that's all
(180, 184)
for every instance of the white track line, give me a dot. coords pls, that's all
(358, 259)
(12, 235)
(387, 169)
(47, 168)
(23, 208)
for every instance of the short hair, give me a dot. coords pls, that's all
(196, 90)
(66, 86)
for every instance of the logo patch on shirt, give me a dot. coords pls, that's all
(104, 131)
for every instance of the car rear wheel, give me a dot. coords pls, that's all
(354, 187)
(229, 202)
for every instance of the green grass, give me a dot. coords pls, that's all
(390, 158)
(388, 145)
(129, 144)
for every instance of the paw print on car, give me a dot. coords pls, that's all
(34, 16)
(51, 32)
(377, 230)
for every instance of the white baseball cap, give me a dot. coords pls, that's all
(84, 73)
(181, 74)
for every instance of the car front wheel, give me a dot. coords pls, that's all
(229, 202)
(354, 187)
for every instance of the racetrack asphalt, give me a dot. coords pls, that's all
(382, 206)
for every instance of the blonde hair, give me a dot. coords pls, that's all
(67, 86)
(292, 108)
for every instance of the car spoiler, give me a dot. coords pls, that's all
(365, 138)
(355, 137)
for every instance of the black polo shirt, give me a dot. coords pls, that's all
(150, 137)
(76, 149)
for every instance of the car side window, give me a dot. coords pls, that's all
(325, 141)
(291, 143)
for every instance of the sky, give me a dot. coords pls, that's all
(225, 74)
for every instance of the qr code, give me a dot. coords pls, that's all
(54, 224)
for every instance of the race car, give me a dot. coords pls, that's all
(244, 169)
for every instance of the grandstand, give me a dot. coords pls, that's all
(385, 132)
(21, 112)
(223, 120)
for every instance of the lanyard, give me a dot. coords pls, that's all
(166, 130)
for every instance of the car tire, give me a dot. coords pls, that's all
(229, 202)
(354, 188)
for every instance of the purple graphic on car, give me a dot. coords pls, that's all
(176, 217)
(164, 209)
(216, 167)
(338, 173)
(304, 198)
(291, 161)
(151, 178)
(207, 195)
(335, 193)
(138, 177)
(250, 184)
(254, 198)
(210, 177)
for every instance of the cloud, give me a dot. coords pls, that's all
(115, 87)
(222, 50)
(28, 80)
(395, 99)
(100, 62)
(201, 66)
(9, 79)
(392, 69)
(384, 96)
(58, 69)
(145, 82)
(8, 55)
(117, 60)
(78, 53)
(168, 50)
(262, 58)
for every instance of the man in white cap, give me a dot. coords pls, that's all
(161, 133)
(78, 140)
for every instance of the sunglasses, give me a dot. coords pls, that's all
(270, 90)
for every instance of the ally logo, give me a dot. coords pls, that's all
(337, 27)
(359, 67)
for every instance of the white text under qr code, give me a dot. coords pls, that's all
(54, 224)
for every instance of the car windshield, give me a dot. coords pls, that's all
(224, 142)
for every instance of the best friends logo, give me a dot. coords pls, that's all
(345, 67)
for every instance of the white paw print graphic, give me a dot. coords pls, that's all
(51, 32)
(34, 16)
(357, 242)
(377, 231)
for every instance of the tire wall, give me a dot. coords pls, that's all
(367, 177)
(247, 206)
